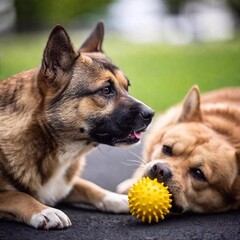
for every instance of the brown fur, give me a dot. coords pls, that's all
(50, 117)
(195, 149)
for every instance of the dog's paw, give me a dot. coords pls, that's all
(50, 218)
(124, 186)
(114, 202)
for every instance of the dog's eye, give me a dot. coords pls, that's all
(197, 174)
(167, 150)
(106, 90)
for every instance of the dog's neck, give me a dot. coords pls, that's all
(24, 128)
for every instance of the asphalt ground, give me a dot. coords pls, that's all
(108, 166)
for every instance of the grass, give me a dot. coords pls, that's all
(160, 75)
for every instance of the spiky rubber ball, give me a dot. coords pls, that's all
(149, 200)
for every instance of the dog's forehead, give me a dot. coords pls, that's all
(193, 138)
(100, 63)
(190, 133)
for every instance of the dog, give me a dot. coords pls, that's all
(50, 117)
(194, 149)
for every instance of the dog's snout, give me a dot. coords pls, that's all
(160, 171)
(147, 113)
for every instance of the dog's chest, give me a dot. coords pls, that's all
(56, 187)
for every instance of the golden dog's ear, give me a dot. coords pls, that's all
(94, 42)
(191, 107)
(59, 55)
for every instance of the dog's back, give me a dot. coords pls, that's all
(229, 96)
(221, 111)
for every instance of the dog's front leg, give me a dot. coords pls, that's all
(104, 200)
(24, 208)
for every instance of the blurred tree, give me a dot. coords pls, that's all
(174, 5)
(235, 5)
(34, 14)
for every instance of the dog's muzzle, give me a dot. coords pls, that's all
(124, 125)
(164, 174)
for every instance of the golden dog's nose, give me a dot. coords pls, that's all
(161, 172)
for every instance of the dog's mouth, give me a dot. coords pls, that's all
(175, 209)
(131, 137)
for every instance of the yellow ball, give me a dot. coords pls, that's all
(149, 200)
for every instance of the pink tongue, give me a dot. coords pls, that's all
(135, 135)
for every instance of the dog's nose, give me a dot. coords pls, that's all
(161, 172)
(147, 113)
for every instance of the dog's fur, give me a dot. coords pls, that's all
(50, 117)
(194, 149)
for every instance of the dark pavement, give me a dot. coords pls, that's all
(107, 167)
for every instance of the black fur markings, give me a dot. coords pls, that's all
(9, 101)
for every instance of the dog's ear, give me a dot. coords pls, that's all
(191, 107)
(94, 42)
(59, 55)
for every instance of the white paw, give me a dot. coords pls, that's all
(50, 218)
(124, 186)
(114, 202)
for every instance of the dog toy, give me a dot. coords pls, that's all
(149, 200)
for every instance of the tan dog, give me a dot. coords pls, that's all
(50, 117)
(195, 150)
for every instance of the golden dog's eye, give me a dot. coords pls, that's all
(197, 174)
(167, 150)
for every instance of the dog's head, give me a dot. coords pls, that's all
(85, 96)
(199, 166)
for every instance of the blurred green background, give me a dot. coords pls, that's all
(160, 73)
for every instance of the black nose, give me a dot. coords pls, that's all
(161, 172)
(147, 113)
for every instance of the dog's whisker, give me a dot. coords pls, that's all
(134, 160)
(141, 159)
(129, 164)
(137, 162)
(135, 155)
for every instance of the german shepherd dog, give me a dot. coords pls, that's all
(50, 117)
(194, 149)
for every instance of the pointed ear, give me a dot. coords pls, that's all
(191, 107)
(94, 42)
(59, 54)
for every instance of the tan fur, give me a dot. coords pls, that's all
(50, 117)
(203, 134)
